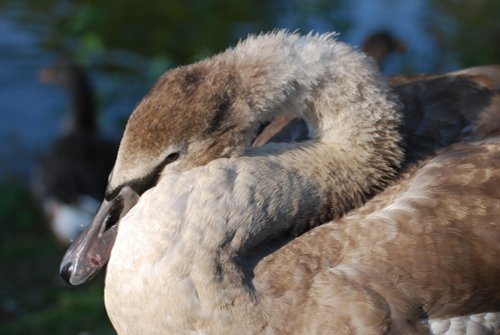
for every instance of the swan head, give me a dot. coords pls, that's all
(192, 116)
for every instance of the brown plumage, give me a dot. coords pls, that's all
(426, 247)
(439, 110)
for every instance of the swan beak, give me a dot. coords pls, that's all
(91, 250)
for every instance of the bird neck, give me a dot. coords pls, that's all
(82, 118)
(352, 116)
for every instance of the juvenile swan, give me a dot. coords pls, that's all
(215, 108)
(191, 240)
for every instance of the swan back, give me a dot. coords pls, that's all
(426, 247)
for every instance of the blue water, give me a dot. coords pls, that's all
(31, 114)
(409, 20)
(25, 126)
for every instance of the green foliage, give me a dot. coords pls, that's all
(181, 31)
(475, 35)
(33, 298)
(70, 313)
(185, 31)
(16, 207)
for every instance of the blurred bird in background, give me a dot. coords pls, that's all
(70, 180)
(381, 44)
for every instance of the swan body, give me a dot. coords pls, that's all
(408, 254)
(426, 247)
(191, 255)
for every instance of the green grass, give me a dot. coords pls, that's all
(33, 297)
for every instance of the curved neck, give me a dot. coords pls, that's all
(336, 89)
(352, 116)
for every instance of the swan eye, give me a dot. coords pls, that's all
(172, 158)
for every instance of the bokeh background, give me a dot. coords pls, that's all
(124, 46)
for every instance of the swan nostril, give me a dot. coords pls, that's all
(66, 272)
(95, 261)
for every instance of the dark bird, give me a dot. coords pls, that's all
(71, 178)
(380, 45)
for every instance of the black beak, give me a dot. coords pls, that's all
(88, 254)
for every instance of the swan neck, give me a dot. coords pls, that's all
(338, 91)
(83, 116)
